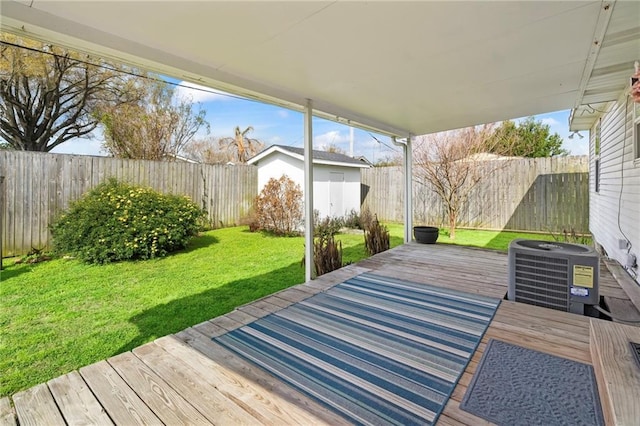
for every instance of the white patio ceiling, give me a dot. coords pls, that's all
(399, 67)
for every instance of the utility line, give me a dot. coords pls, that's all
(382, 143)
(131, 73)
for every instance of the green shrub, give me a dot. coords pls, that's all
(117, 221)
(329, 226)
(355, 220)
(352, 220)
(279, 207)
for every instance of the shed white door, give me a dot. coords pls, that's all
(336, 194)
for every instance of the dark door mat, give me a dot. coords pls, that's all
(519, 386)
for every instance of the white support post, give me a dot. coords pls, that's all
(408, 190)
(308, 190)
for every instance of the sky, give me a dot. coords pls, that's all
(277, 125)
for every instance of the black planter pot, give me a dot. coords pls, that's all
(426, 234)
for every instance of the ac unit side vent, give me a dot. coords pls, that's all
(525, 263)
(543, 302)
(541, 261)
(546, 276)
(554, 292)
(541, 281)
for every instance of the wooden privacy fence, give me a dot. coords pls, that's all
(38, 186)
(532, 194)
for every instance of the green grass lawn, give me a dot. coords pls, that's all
(495, 240)
(60, 315)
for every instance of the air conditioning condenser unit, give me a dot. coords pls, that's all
(553, 275)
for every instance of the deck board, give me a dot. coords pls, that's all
(76, 402)
(7, 413)
(193, 386)
(121, 403)
(187, 378)
(616, 368)
(165, 402)
(36, 406)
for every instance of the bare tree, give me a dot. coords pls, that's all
(207, 150)
(48, 95)
(240, 146)
(333, 148)
(156, 128)
(452, 164)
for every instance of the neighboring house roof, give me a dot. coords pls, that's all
(319, 157)
(178, 157)
(364, 160)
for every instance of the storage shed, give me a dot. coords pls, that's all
(336, 177)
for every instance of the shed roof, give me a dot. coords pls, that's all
(319, 157)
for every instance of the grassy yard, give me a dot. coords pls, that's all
(60, 315)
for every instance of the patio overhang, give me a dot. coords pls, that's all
(610, 63)
(415, 68)
(398, 69)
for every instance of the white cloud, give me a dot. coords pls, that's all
(274, 140)
(332, 137)
(198, 93)
(577, 146)
(283, 113)
(550, 121)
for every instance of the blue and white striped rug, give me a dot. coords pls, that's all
(376, 350)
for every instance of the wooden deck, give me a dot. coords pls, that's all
(186, 378)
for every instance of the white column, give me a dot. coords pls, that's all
(408, 190)
(308, 190)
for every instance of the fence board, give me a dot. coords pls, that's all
(532, 194)
(39, 186)
(544, 194)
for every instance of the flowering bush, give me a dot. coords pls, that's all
(279, 207)
(117, 221)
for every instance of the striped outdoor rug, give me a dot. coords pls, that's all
(376, 350)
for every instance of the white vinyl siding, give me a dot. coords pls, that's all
(614, 211)
(636, 132)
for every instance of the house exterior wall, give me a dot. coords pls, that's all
(614, 207)
(277, 164)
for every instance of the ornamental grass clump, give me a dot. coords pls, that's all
(116, 221)
(376, 237)
(327, 254)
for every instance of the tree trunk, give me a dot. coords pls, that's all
(452, 225)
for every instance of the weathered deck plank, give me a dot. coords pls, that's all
(7, 413)
(76, 402)
(618, 376)
(36, 406)
(193, 386)
(121, 403)
(165, 402)
(187, 378)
